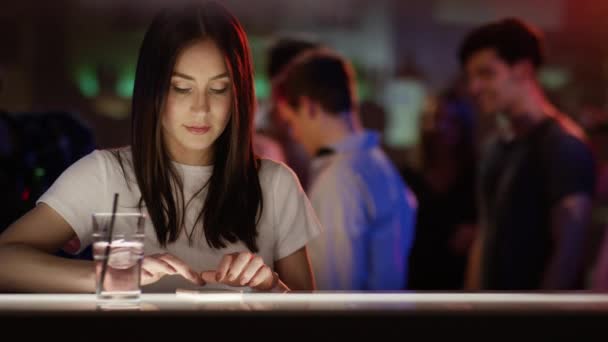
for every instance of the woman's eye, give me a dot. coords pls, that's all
(219, 90)
(182, 90)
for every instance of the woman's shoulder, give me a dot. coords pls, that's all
(113, 157)
(106, 161)
(111, 154)
(277, 175)
(271, 169)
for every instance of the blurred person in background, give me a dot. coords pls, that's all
(35, 148)
(12, 175)
(373, 117)
(595, 120)
(365, 208)
(281, 52)
(599, 279)
(445, 189)
(52, 142)
(537, 181)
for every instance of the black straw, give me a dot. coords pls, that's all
(104, 265)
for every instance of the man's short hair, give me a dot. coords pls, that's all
(321, 75)
(511, 38)
(283, 51)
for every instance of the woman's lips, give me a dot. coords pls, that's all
(198, 129)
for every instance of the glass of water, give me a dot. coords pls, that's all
(118, 257)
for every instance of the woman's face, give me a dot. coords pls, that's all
(198, 103)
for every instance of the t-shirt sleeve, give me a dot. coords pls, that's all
(570, 169)
(78, 193)
(295, 220)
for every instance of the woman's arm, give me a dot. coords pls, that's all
(27, 263)
(295, 271)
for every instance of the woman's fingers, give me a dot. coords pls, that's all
(182, 268)
(224, 266)
(210, 277)
(148, 277)
(250, 270)
(152, 269)
(157, 266)
(263, 279)
(242, 269)
(238, 265)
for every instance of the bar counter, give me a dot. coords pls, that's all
(321, 314)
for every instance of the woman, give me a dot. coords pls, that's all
(446, 220)
(216, 212)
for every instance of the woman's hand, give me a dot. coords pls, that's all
(157, 266)
(243, 269)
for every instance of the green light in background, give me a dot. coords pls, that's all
(363, 90)
(87, 81)
(554, 78)
(126, 82)
(362, 85)
(39, 172)
(124, 87)
(262, 88)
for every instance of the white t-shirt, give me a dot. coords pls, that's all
(368, 215)
(287, 223)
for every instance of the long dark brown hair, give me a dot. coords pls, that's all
(233, 204)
